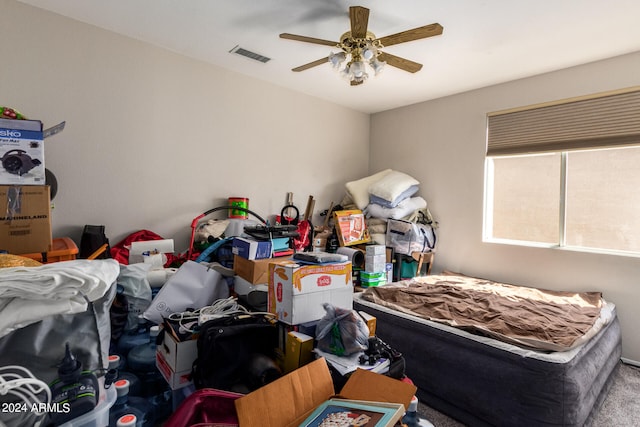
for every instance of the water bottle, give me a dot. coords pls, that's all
(142, 358)
(127, 420)
(116, 362)
(124, 405)
(135, 337)
(411, 417)
(141, 361)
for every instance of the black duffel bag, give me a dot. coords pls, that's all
(237, 352)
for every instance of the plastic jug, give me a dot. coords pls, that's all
(130, 405)
(134, 338)
(117, 363)
(411, 417)
(141, 361)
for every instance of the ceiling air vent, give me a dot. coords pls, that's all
(249, 54)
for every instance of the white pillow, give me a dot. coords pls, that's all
(359, 190)
(392, 185)
(404, 209)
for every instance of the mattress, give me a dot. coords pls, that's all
(530, 317)
(482, 381)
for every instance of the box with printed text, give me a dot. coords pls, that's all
(21, 152)
(297, 291)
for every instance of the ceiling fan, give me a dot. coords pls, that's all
(360, 45)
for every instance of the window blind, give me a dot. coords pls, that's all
(599, 121)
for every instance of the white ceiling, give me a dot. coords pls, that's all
(484, 41)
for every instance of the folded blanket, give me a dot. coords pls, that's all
(405, 208)
(29, 294)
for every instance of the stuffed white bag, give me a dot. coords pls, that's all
(192, 287)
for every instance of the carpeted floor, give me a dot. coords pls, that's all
(621, 407)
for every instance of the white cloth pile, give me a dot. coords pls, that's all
(386, 195)
(29, 294)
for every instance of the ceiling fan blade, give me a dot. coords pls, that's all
(398, 62)
(359, 21)
(312, 64)
(410, 35)
(308, 39)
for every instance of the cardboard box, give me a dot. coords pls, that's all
(254, 271)
(251, 249)
(179, 355)
(25, 219)
(376, 250)
(288, 400)
(371, 322)
(298, 352)
(21, 152)
(176, 380)
(297, 292)
(375, 263)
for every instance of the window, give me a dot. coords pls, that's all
(566, 174)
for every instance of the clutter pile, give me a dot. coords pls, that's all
(137, 334)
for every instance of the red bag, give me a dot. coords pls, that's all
(206, 406)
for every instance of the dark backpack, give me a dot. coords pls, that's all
(236, 353)
(93, 237)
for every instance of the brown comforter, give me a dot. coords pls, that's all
(529, 317)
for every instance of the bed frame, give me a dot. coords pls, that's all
(483, 382)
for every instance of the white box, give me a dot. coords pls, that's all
(179, 355)
(21, 153)
(376, 250)
(375, 263)
(175, 380)
(163, 246)
(297, 292)
(251, 249)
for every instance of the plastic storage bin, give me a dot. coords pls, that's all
(62, 249)
(99, 417)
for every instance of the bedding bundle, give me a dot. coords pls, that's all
(385, 195)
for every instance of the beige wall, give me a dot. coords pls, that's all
(153, 138)
(442, 144)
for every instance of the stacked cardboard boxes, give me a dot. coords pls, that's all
(25, 222)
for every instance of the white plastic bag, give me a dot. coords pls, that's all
(193, 286)
(133, 279)
(406, 237)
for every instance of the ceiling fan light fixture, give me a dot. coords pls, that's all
(346, 73)
(377, 66)
(357, 69)
(369, 52)
(337, 59)
(359, 46)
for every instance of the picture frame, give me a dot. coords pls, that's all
(355, 413)
(351, 227)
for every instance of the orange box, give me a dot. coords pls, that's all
(62, 249)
